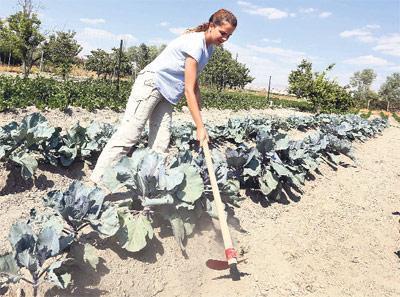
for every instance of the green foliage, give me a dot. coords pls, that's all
(19, 141)
(97, 94)
(49, 93)
(396, 117)
(61, 51)
(366, 115)
(140, 56)
(106, 64)
(361, 83)
(34, 244)
(222, 71)
(21, 31)
(261, 158)
(100, 61)
(238, 100)
(7, 49)
(324, 94)
(301, 80)
(390, 90)
(34, 141)
(133, 60)
(80, 206)
(171, 190)
(383, 115)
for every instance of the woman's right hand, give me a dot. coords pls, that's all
(202, 135)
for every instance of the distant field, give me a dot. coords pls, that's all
(76, 71)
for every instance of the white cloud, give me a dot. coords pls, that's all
(92, 21)
(310, 11)
(260, 68)
(373, 26)
(368, 60)
(307, 10)
(272, 13)
(268, 12)
(395, 68)
(177, 31)
(272, 40)
(286, 54)
(354, 33)
(389, 45)
(325, 14)
(92, 39)
(266, 61)
(158, 41)
(364, 34)
(164, 24)
(246, 4)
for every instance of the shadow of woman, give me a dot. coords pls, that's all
(146, 255)
(83, 276)
(74, 171)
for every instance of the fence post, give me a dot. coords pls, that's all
(119, 65)
(41, 63)
(269, 87)
(9, 61)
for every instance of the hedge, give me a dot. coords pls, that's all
(16, 92)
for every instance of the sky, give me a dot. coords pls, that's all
(272, 37)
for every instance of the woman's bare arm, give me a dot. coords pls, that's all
(192, 94)
(197, 91)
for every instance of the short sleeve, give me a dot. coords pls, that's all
(193, 46)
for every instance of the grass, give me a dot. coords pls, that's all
(396, 117)
(366, 115)
(383, 115)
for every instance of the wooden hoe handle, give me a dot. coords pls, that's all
(230, 252)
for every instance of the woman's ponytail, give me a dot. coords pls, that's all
(217, 18)
(200, 28)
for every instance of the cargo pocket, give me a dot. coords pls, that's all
(149, 82)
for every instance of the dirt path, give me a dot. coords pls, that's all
(338, 240)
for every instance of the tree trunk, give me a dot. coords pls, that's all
(369, 101)
(27, 64)
(387, 106)
(24, 69)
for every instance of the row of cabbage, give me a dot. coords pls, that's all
(252, 154)
(35, 140)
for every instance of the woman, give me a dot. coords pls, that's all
(161, 84)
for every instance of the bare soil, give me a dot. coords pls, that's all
(338, 239)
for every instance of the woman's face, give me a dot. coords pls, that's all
(220, 34)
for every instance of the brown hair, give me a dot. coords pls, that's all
(217, 18)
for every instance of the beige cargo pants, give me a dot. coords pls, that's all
(145, 103)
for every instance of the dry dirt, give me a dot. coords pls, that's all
(338, 239)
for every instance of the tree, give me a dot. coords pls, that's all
(325, 95)
(106, 63)
(125, 65)
(223, 71)
(100, 61)
(361, 83)
(142, 55)
(301, 80)
(61, 51)
(21, 30)
(390, 90)
(6, 46)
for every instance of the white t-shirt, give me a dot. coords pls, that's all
(169, 66)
